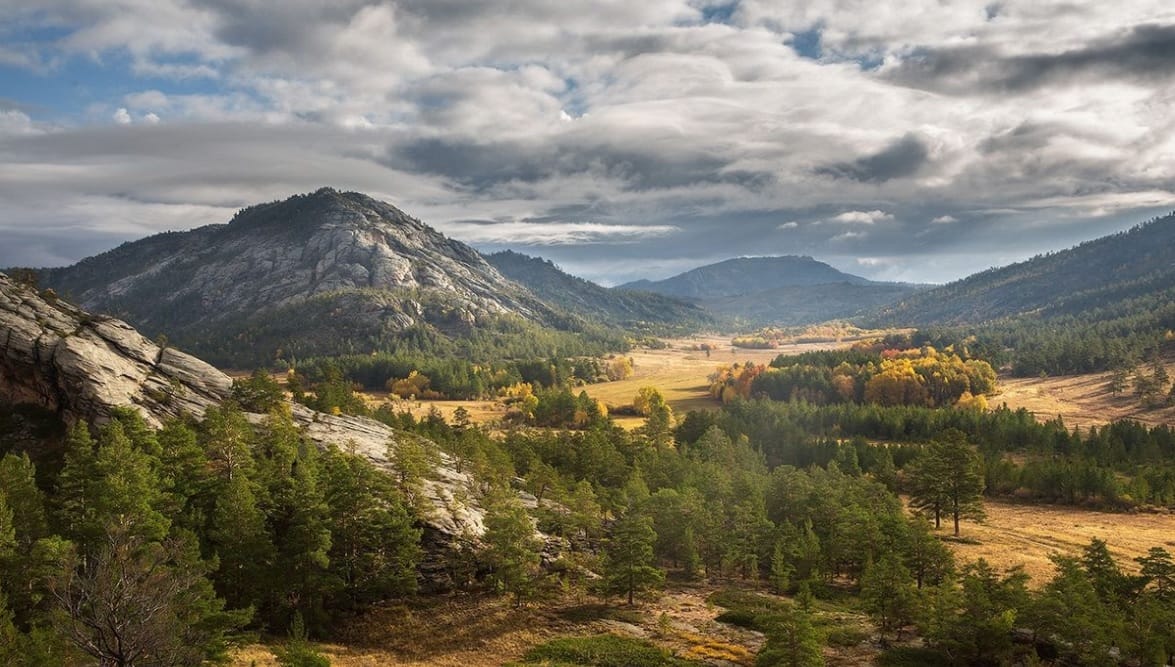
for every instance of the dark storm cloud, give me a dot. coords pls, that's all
(52, 247)
(482, 166)
(1144, 52)
(900, 159)
(261, 29)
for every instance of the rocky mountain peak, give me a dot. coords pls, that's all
(336, 262)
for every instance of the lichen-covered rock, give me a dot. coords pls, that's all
(82, 366)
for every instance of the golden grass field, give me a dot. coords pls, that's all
(1081, 400)
(1017, 534)
(678, 372)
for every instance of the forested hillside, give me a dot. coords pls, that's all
(1097, 274)
(1105, 304)
(632, 309)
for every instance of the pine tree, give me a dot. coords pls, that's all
(628, 556)
(1105, 576)
(888, 594)
(374, 546)
(135, 601)
(72, 509)
(513, 550)
(238, 536)
(1070, 610)
(927, 558)
(187, 480)
(781, 569)
(228, 442)
(791, 642)
(125, 488)
(947, 479)
(300, 579)
(29, 525)
(18, 480)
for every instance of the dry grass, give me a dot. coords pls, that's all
(471, 631)
(1081, 400)
(1027, 534)
(680, 373)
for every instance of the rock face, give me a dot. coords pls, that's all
(82, 366)
(61, 358)
(322, 273)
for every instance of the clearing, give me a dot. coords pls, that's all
(1027, 534)
(1081, 400)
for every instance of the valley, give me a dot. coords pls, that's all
(504, 510)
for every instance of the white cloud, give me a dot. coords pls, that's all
(862, 217)
(151, 118)
(944, 220)
(847, 236)
(789, 225)
(122, 116)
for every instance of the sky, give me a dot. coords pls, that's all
(918, 141)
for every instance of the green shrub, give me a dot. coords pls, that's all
(911, 656)
(602, 651)
(845, 637)
(739, 617)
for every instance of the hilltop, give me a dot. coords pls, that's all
(786, 290)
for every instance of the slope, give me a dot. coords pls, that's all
(632, 309)
(1095, 274)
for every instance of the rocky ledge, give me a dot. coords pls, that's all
(82, 366)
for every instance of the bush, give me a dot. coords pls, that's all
(739, 617)
(845, 637)
(910, 656)
(602, 651)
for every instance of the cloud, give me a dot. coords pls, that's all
(1142, 52)
(672, 132)
(555, 233)
(862, 217)
(901, 158)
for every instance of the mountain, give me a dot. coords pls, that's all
(788, 290)
(1101, 274)
(631, 309)
(323, 273)
(746, 275)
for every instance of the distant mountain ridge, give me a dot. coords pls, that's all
(1102, 273)
(638, 310)
(785, 290)
(744, 275)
